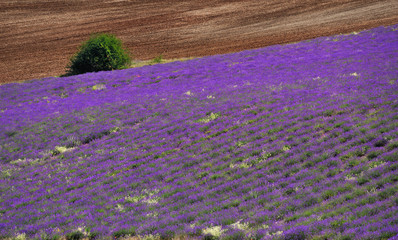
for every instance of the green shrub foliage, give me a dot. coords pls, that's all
(102, 52)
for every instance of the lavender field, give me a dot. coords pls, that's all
(296, 141)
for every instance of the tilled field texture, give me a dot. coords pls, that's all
(38, 37)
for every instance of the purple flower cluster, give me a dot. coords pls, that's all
(290, 141)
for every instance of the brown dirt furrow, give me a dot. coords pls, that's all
(39, 36)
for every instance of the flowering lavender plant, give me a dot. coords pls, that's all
(296, 141)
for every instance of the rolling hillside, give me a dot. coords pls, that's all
(296, 141)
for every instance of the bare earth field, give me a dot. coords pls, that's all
(37, 37)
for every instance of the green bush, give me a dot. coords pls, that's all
(102, 52)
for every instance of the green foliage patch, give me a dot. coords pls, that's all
(102, 52)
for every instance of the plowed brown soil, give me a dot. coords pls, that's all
(37, 37)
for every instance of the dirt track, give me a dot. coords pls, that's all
(37, 37)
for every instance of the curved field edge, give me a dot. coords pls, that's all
(289, 141)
